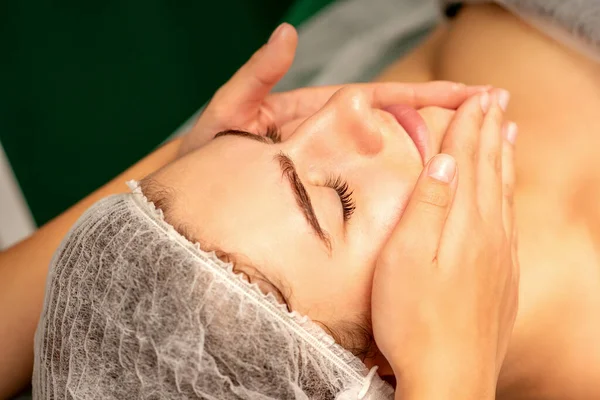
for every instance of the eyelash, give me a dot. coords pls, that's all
(345, 195)
(273, 133)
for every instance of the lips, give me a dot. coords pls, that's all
(415, 127)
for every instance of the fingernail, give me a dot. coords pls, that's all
(510, 130)
(442, 168)
(484, 100)
(276, 33)
(503, 98)
(482, 88)
(458, 87)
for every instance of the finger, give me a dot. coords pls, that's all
(286, 130)
(489, 168)
(462, 142)
(508, 177)
(514, 244)
(438, 93)
(425, 213)
(255, 79)
(302, 103)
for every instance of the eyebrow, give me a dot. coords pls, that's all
(244, 134)
(288, 170)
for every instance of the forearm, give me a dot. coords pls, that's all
(23, 270)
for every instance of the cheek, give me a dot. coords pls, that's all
(334, 291)
(383, 203)
(367, 233)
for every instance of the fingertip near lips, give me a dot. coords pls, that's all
(442, 168)
(472, 90)
(501, 97)
(510, 131)
(482, 88)
(484, 102)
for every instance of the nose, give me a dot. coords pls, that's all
(352, 115)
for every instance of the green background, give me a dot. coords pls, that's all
(90, 87)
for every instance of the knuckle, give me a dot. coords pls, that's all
(462, 150)
(510, 201)
(496, 116)
(472, 119)
(508, 192)
(508, 188)
(434, 196)
(494, 159)
(469, 149)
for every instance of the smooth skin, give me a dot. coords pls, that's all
(456, 282)
(244, 102)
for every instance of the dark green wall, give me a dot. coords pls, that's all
(89, 87)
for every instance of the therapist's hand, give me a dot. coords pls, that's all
(445, 288)
(246, 103)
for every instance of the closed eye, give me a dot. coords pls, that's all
(345, 195)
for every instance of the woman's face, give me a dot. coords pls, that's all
(275, 205)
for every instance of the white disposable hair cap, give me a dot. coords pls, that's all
(134, 310)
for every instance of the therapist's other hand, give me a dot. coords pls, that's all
(246, 103)
(445, 289)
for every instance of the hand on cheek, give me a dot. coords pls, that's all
(445, 289)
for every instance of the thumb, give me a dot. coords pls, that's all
(421, 226)
(255, 79)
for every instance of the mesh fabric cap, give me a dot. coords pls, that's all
(134, 310)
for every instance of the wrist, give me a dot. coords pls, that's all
(446, 378)
(435, 390)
